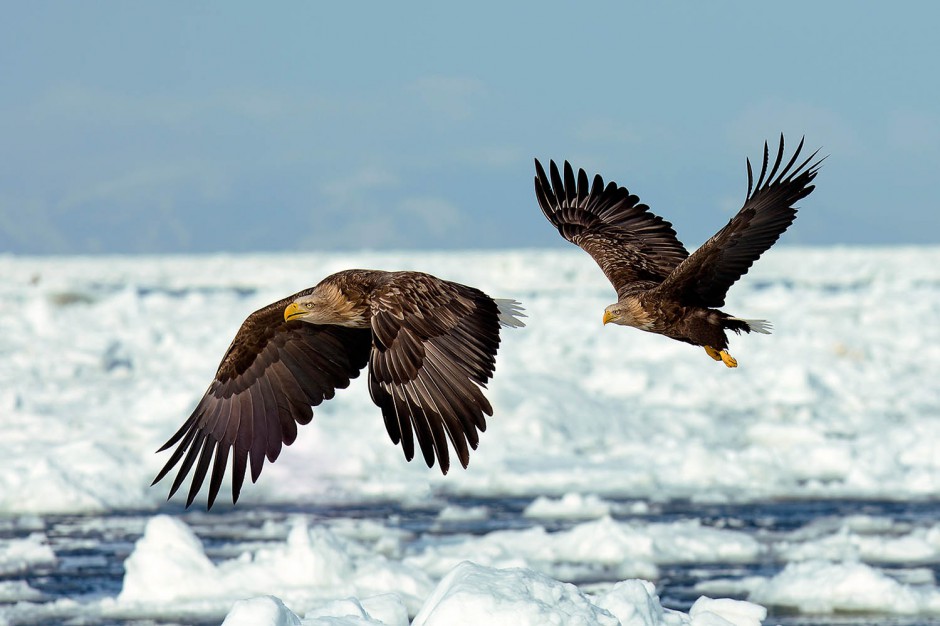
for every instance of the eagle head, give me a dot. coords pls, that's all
(327, 304)
(613, 313)
(629, 312)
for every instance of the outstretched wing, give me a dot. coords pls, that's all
(270, 377)
(628, 242)
(434, 347)
(705, 277)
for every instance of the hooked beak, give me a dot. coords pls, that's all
(607, 316)
(293, 310)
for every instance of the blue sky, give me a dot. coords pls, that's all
(190, 127)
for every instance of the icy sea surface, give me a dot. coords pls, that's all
(665, 487)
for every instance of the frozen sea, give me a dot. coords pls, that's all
(624, 479)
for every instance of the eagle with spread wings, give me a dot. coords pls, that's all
(661, 288)
(430, 345)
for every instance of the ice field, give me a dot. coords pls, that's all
(624, 478)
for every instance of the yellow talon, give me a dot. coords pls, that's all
(712, 353)
(727, 359)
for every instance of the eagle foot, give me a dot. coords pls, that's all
(727, 359)
(712, 353)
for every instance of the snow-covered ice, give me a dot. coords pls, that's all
(571, 505)
(595, 428)
(20, 555)
(108, 356)
(470, 595)
(826, 587)
(313, 564)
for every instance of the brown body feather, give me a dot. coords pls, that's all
(430, 345)
(660, 287)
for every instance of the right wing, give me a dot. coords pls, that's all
(627, 241)
(435, 346)
(769, 208)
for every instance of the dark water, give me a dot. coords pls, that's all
(90, 551)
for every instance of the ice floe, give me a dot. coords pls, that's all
(594, 428)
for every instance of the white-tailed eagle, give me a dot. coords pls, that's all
(661, 288)
(430, 345)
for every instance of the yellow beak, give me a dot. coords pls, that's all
(607, 316)
(293, 310)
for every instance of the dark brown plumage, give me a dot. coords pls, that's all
(660, 287)
(430, 345)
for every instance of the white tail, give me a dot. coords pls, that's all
(509, 312)
(757, 326)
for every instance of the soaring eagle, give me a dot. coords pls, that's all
(661, 288)
(430, 345)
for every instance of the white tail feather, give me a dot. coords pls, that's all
(509, 312)
(757, 326)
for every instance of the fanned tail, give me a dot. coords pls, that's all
(509, 312)
(763, 327)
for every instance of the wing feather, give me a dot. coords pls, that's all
(210, 418)
(769, 208)
(239, 466)
(218, 472)
(187, 463)
(406, 431)
(259, 440)
(434, 346)
(270, 377)
(202, 466)
(456, 417)
(177, 454)
(272, 427)
(628, 242)
(462, 386)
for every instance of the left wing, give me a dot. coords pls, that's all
(434, 346)
(704, 278)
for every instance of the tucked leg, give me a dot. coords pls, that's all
(712, 353)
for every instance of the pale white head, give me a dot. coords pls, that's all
(327, 304)
(615, 313)
(628, 312)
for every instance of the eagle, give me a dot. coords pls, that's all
(430, 345)
(661, 288)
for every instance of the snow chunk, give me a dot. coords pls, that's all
(263, 611)
(569, 506)
(863, 538)
(710, 612)
(453, 513)
(169, 563)
(386, 609)
(620, 549)
(634, 603)
(21, 555)
(825, 587)
(381, 610)
(471, 595)
(17, 590)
